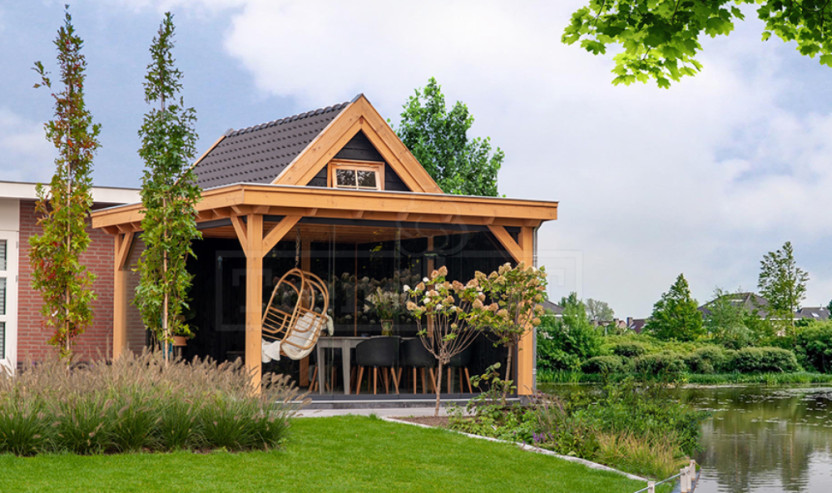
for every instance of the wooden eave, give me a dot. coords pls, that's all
(285, 200)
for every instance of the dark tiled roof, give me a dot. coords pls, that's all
(550, 306)
(751, 302)
(260, 153)
(813, 313)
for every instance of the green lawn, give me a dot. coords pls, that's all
(348, 453)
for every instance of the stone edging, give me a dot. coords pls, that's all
(530, 448)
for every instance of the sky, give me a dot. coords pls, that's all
(702, 179)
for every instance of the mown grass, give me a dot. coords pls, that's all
(348, 453)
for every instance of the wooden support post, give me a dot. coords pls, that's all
(255, 246)
(254, 296)
(683, 480)
(306, 265)
(122, 243)
(651, 487)
(526, 349)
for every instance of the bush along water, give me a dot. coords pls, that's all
(630, 426)
(140, 403)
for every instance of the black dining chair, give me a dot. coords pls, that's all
(414, 355)
(460, 362)
(378, 352)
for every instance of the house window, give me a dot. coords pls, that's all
(356, 175)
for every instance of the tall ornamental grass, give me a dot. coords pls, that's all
(138, 403)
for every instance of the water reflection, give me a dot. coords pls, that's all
(765, 439)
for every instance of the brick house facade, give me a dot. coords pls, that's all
(24, 335)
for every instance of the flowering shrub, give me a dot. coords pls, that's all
(449, 315)
(518, 293)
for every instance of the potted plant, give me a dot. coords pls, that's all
(387, 305)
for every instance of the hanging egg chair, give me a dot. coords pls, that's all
(295, 316)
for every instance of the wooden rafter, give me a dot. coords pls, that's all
(505, 239)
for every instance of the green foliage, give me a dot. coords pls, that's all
(814, 345)
(675, 315)
(604, 365)
(169, 193)
(707, 359)
(661, 366)
(660, 38)
(64, 283)
(586, 425)
(141, 403)
(438, 138)
(564, 343)
(629, 349)
(725, 321)
(764, 360)
(599, 311)
(782, 283)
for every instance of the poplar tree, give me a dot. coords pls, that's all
(64, 283)
(169, 193)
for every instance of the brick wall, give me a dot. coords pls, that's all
(97, 340)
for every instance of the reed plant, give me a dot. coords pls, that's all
(140, 403)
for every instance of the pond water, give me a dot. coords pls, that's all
(765, 439)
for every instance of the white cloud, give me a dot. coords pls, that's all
(27, 156)
(700, 179)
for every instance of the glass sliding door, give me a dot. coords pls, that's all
(8, 298)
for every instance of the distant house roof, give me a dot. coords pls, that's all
(550, 306)
(750, 301)
(813, 313)
(258, 154)
(636, 324)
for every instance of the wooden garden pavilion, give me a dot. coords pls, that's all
(300, 198)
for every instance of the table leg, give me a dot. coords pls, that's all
(345, 366)
(321, 369)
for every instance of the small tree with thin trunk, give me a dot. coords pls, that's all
(449, 316)
(518, 293)
(64, 283)
(169, 194)
(783, 284)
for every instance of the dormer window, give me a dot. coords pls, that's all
(356, 175)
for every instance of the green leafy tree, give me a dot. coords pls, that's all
(675, 315)
(783, 284)
(64, 283)
(659, 39)
(600, 313)
(725, 320)
(439, 140)
(169, 193)
(564, 343)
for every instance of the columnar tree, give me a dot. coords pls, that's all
(675, 315)
(438, 138)
(64, 283)
(660, 39)
(782, 283)
(169, 193)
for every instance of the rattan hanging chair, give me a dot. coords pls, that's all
(295, 316)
